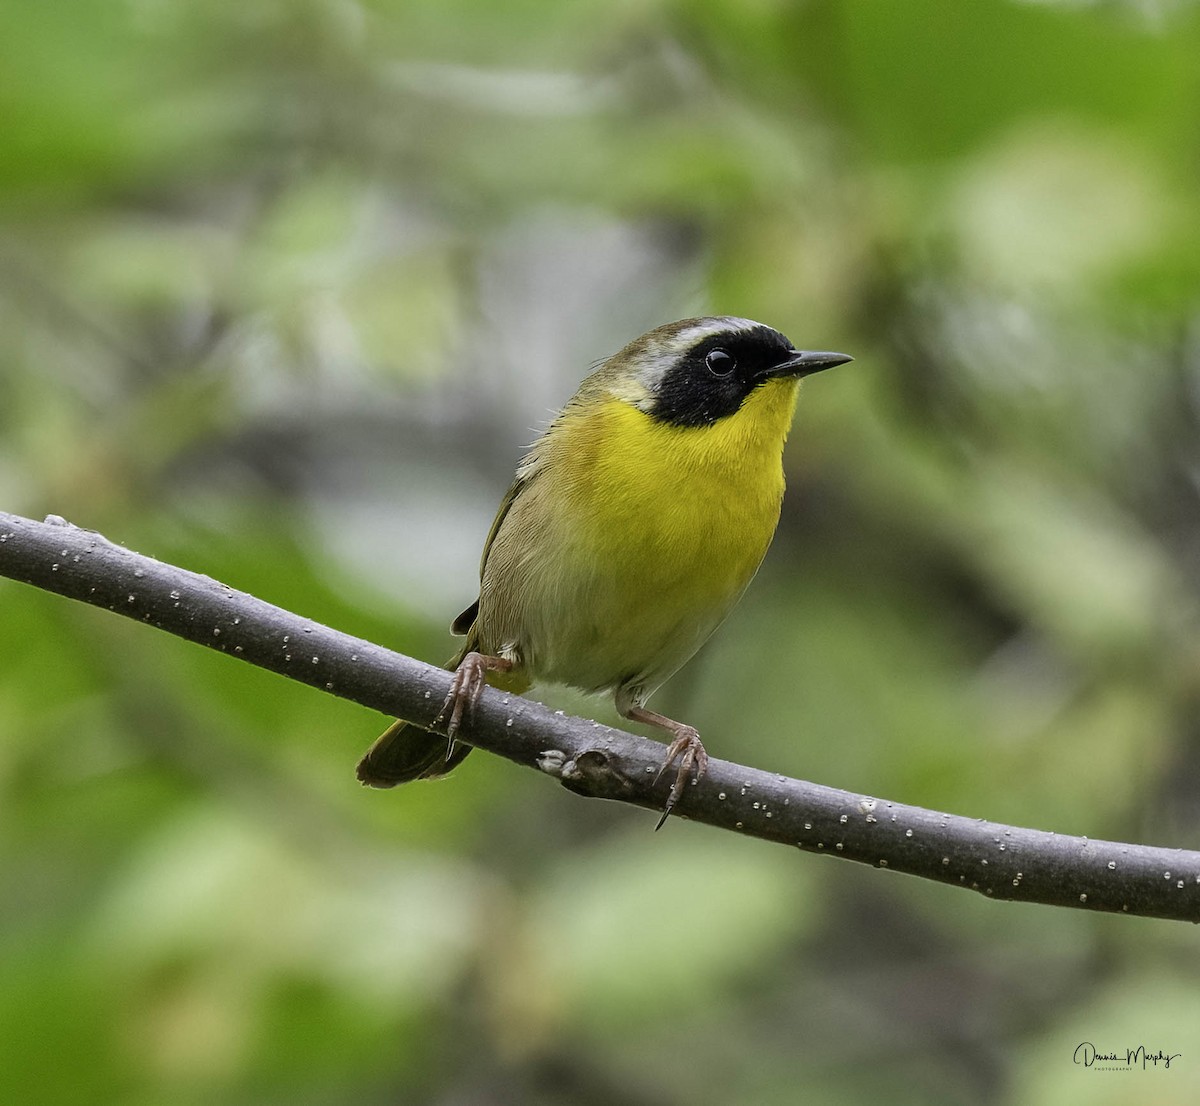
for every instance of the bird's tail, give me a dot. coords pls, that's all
(406, 752)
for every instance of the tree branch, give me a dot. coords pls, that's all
(1003, 862)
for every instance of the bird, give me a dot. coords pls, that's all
(633, 526)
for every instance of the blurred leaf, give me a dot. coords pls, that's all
(616, 933)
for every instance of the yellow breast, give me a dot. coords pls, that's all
(637, 537)
(701, 502)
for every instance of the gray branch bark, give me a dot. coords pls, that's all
(999, 861)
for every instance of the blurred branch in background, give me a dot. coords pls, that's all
(999, 861)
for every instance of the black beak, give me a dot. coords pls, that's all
(806, 362)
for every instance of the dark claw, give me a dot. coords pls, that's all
(470, 678)
(693, 761)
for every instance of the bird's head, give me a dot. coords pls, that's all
(695, 372)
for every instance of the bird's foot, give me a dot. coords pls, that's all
(688, 749)
(470, 678)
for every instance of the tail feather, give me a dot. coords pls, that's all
(405, 752)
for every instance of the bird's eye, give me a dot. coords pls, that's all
(719, 362)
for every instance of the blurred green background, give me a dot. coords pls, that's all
(285, 287)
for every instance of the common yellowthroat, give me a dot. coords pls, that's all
(633, 526)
